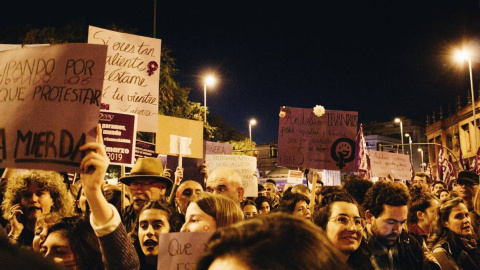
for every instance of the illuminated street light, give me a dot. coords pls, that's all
(252, 122)
(462, 55)
(410, 143)
(210, 80)
(397, 120)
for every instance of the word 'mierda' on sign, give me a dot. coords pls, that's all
(46, 146)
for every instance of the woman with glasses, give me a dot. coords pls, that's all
(339, 216)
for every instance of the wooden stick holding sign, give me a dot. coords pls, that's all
(122, 174)
(314, 185)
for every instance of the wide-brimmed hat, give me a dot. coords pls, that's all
(468, 176)
(147, 167)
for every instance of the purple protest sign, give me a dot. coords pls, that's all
(119, 134)
(144, 149)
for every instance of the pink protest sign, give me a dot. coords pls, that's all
(50, 99)
(326, 142)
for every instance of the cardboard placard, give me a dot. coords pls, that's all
(216, 148)
(295, 177)
(181, 250)
(385, 163)
(175, 132)
(132, 74)
(144, 149)
(244, 165)
(50, 100)
(119, 135)
(191, 168)
(308, 141)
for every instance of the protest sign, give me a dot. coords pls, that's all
(174, 134)
(132, 74)
(50, 99)
(191, 168)
(144, 149)
(295, 177)
(244, 165)
(216, 148)
(119, 135)
(181, 251)
(326, 142)
(385, 163)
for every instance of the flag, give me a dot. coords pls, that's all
(475, 167)
(362, 160)
(428, 171)
(446, 170)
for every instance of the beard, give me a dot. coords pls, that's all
(386, 240)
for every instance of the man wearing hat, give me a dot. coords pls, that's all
(147, 182)
(467, 184)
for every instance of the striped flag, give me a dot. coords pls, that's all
(362, 160)
(446, 170)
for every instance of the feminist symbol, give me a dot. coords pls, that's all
(152, 66)
(343, 151)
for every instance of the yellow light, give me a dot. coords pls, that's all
(462, 55)
(210, 80)
(253, 122)
(407, 135)
(397, 120)
(420, 150)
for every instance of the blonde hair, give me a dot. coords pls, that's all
(51, 181)
(224, 210)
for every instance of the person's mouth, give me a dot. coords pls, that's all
(150, 244)
(34, 208)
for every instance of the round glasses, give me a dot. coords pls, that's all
(358, 223)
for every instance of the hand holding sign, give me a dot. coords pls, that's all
(95, 163)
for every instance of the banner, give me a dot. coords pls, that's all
(144, 149)
(132, 74)
(385, 163)
(181, 250)
(119, 135)
(174, 134)
(244, 165)
(50, 99)
(216, 148)
(308, 141)
(295, 177)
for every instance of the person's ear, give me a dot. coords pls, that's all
(420, 215)
(240, 191)
(368, 217)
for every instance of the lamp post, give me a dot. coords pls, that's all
(410, 143)
(210, 80)
(465, 55)
(421, 153)
(398, 120)
(251, 123)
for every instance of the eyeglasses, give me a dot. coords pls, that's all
(146, 183)
(345, 221)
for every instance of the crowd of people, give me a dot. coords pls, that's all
(417, 224)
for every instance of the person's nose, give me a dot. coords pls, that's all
(150, 231)
(397, 227)
(185, 228)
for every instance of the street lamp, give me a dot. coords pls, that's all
(410, 143)
(252, 122)
(397, 120)
(462, 56)
(210, 80)
(421, 153)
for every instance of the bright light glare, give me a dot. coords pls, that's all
(407, 135)
(420, 150)
(397, 120)
(253, 122)
(462, 55)
(210, 80)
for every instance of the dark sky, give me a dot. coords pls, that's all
(384, 59)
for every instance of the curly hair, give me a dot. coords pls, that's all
(384, 192)
(322, 214)
(224, 210)
(357, 187)
(51, 181)
(420, 202)
(289, 200)
(438, 233)
(260, 200)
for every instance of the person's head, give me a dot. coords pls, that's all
(357, 187)
(249, 208)
(147, 182)
(270, 190)
(155, 218)
(261, 190)
(266, 242)
(185, 193)
(438, 186)
(296, 204)
(422, 180)
(227, 182)
(207, 212)
(72, 243)
(302, 189)
(341, 220)
(318, 187)
(44, 222)
(113, 194)
(386, 209)
(264, 205)
(38, 192)
(444, 194)
(422, 209)
(467, 183)
(452, 217)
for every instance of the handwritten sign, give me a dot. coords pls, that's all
(385, 163)
(50, 99)
(244, 165)
(175, 132)
(308, 141)
(144, 149)
(119, 135)
(295, 177)
(216, 148)
(132, 74)
(181, 251)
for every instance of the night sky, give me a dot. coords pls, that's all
(384, 59)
